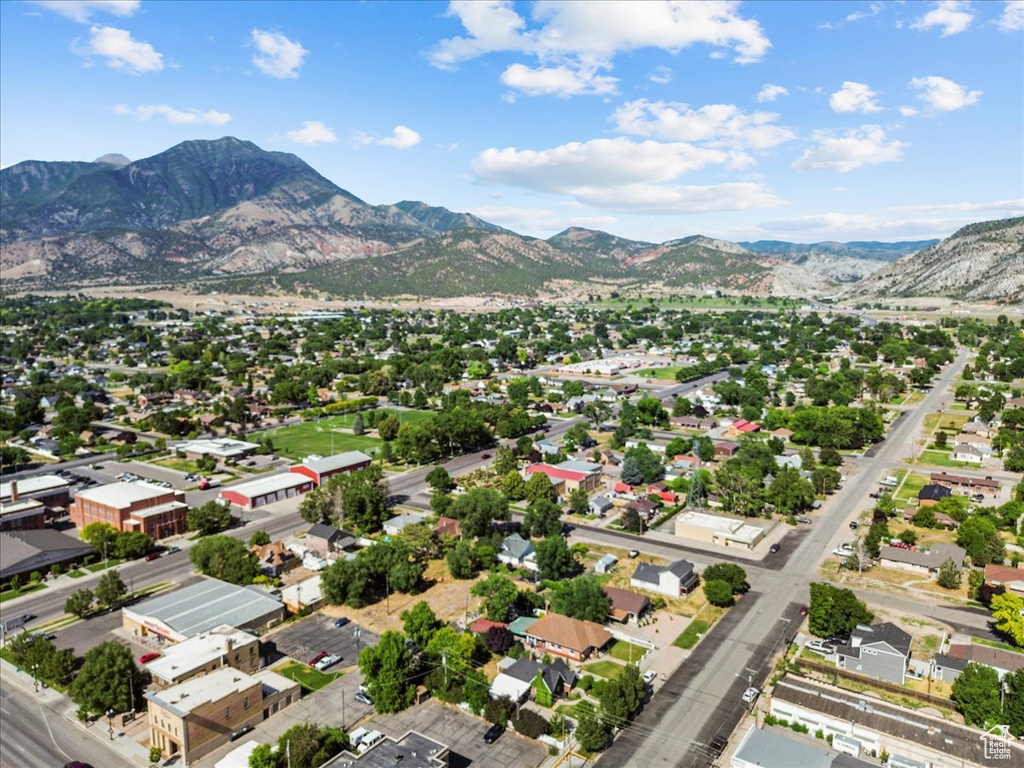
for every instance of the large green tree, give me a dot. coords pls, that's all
(108, 679)
(499, 593)
(1013, 702)
(581, 598)
(979, 536)
(1008, 613)
(543, 518)
(209, 518)
(730, 573)
(554, 559)
(834, 611)
(539, 488)
(478, 508)
(79, 602)
(591, 729)
(225, 558)
(976, 694)
(789, 492)
(718, 593)
(420, 623)
(110, 588)
(388, 670)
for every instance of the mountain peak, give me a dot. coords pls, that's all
(112, 158)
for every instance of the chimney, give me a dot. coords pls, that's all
(231, 644)
(14, 491)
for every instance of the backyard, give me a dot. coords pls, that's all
(309, 678)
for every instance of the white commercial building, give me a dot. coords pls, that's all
(715, 529)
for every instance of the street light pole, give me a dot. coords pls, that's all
(35, 679)
(110, 722)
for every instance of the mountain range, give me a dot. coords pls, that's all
(230, 211)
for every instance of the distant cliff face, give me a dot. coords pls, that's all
(981, 261)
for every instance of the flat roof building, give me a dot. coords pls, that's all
(322, 469)
(222, 646)
(267, 490)
(715, 529)
(151, 509)
(198, 608)
(196, 717)
(412, 750)
(51, 490)
(221, 448)
(24, 514)
(773, 748)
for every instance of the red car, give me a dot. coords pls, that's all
(315, 659)
(148, 657)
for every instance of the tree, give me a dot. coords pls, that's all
(100, 535)
(834, 611)
(439, 480)
(554, 560)
(498, 640)
(830, 457)
(420, 623)
(941, 440)
(387, 428)
(651, 467)
(873, 541)
(513, 486)
(1013, 704)
(317, 506)
(789, 492)
(460, 561)
(263, 756)
(259, 539)
(357, 425)
(631, 472)
(581, 598)
(623, 697)
(976, 694)
(543, 518)
(423, 544)
(705, 449)
(825, 479)
(79, 602)
(1008, 613)
(110, 588)
(631, 521)
(499, 593)
(530, 724)
(504, 461)
(478, 508)
(730, 573)
(130, 545)
(978, 535)
(307, 746)
(499, 710)
(539, 487)
(591, 730)
(949, 576)
(107, 680)
(387, 669)
(364, 498)
(224, 558)
(718, 593)
(209, 518)
(579, 502)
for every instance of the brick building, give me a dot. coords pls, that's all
(159, 512)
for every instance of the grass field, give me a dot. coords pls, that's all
(994, 644)
(10, 594)
(939, 459)
(626, 651)
(180, 465)
(690, 635)
(300, 440)
(309, 678)
(346, 420)
(667, 373)
(951, 421)
(606, 669)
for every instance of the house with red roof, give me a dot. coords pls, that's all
(566, 480)
(743, 427)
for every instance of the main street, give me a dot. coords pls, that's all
(708, 700)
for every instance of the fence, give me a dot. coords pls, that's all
(826, 669)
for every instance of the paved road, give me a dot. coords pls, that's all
(743, 644)
(36, 735)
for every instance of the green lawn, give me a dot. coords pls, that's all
(76, 574)
(689, 636)
(939, 459)
(668, 372)
(300, 440)
(10, 594)
(346, 420)
(910, 487)
(606, 669)
(625, 651)
(309, 678)
(181, 465)
(994, 644)
(103, 564)
(571, 710)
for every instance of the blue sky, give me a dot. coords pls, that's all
(786, 120)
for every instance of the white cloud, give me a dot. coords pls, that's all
(1012, 18)
(954, 16)
(862, 146)
(1007, 206)
(854, 97)
(873, 10)
(82, 10)
(121, 51)
(277, 55)
(771, 92)
(623, 174)
(720, 125)
(662, 75)
(586, 37)
(877, 226)
(402, 137)
(538, 220)
(908, 111)
(557, 81)
(312, 132)
(943, 95)
(172, 115)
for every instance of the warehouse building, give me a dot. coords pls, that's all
(718, 530)
(321, 470)
(267, 490)
(151, 509)
(192, 610)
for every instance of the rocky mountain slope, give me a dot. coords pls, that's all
(980, 261)
(228, 210)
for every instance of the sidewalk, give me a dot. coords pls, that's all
(61, 705)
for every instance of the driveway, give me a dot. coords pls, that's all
(305, 639)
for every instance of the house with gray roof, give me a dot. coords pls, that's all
(881, 651)
(600, 505)
(922, 561)
(326, 538)
(961, 652)
(517, 552)
(674, 580)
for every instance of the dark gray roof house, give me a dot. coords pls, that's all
(675, 579)
(330, 538)
(880, 651)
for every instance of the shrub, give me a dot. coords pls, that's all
(529, 723)
(499, 710)
(585, 683)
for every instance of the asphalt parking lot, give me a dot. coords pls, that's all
(305, 639)
(464, 736)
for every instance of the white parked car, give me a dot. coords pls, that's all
(327, 661)
(649, 676)
(820, 646)
(750, 695)
(843, 550)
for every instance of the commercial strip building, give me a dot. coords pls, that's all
(222, 646)
(267, 490)
(192, 610)
(151, 509)
(221, 448)
(870, 725)
(196, 717)
(773, 748)
(719, 530)
(321, 470)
